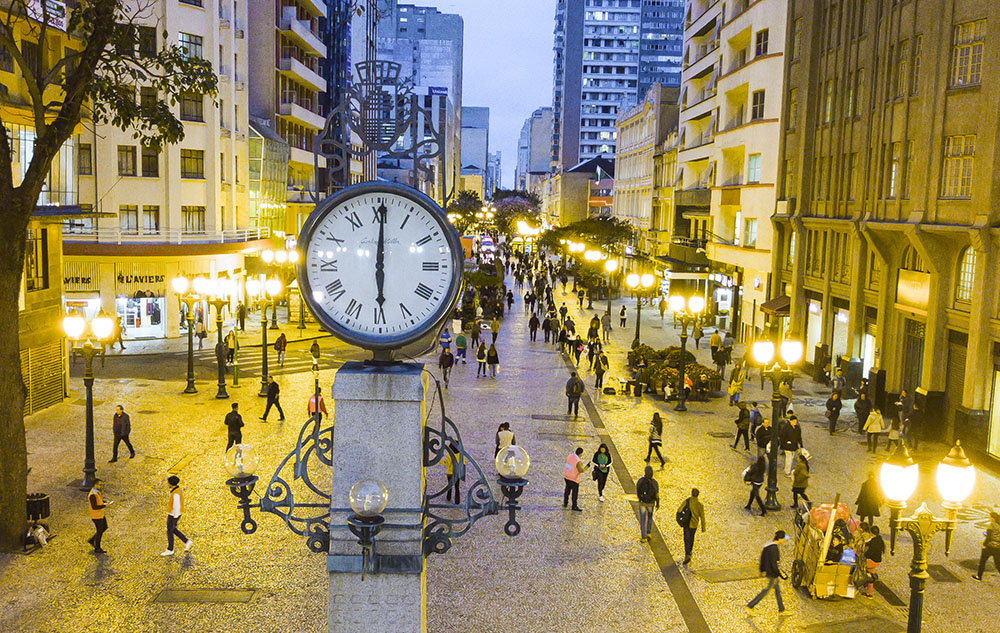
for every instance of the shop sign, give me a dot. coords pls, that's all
(913, 290)
(80, 276)
(150, 280)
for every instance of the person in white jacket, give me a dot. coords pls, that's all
(873, 427)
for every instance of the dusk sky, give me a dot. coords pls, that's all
(508, 64)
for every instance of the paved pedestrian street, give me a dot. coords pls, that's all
(566, 571)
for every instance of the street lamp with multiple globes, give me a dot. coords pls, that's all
(220, 291)
(640, 285)
(688, 311)
(95, 335)
(592, 256)
(610, 266)
(277, 259)
(790, 353)
(189, 292)
(261, 290)
(898, 476)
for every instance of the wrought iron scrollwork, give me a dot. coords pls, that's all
(440, 528)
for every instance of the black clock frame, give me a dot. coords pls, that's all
(388, 342)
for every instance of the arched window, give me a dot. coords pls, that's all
(966, 275)
(912, 261)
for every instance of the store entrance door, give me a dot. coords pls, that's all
(142, 317)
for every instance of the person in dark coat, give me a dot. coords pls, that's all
(743, 426)
(862, 407)
(754, 475)
(769, 558)
(546, 328)
(833, 407)
(241, 315)
(602, 468)
(869, 500)
(273, 391)
(790, 437)
(574, 389)
(533, 328)
(913, 422)
(121, 426)
(763, 437)
(234, 424)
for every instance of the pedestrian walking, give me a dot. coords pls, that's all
(735, 389)
(230, 346)
(453, 456)
(621, 317)
(839, 383)
(571, 475)
(563, 339)
(280, 345)
(118, 333)
(754, 476)
(533, 327)
(833, 407)
(874, 549)
(481, 359)
(873, 427)
(913, 424)
(200, 332)
(546, 328)
(991, 546)
(756, 417)
(727, 346)
(869, 499)
(121, 426)
(655, 439)
(892, 439)
(273, 392)
(690, 515)
(602, 468)
(461, 347)
(314, 353)
(97, 504)
(647, 489)
(580, 296)
(715, 344)
(800, 479)
(475, 332)
(763, 437)
(600, 368)
(769, 559)
(562, 311)
(791, 441)
(785, 393)
(495, 328)
(663, 307)
(510, 300)
(312, 408)
(234, 426)
(578, 347)
(742, 427)
(175, 508)
(574, 389)
(504, 438)
(493, 360)
(446, 361)
(241, 315)
(862, 407)
(606, 326)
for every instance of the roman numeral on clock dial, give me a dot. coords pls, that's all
(335, 289)
(423, 291)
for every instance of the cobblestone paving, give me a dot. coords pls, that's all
(566, 571)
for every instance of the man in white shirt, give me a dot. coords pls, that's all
(175, 506)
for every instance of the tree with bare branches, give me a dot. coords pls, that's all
(96, 77)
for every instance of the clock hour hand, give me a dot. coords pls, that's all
(380, 254)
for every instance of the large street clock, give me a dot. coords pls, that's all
(381, 266)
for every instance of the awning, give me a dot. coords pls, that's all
(777, 307)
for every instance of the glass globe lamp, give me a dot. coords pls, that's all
(512, 462)
(73, 326)
(253, 287)
(956, 477)
(102, 327)
(647, 280)
(676, 303)
(240, 461)
(273, 287)
(632, 280)
(180, 284)
(696, 304)
(267, 255)
(791, 352)
(368, 498)
(898, 477)
(763, 352)
(611, 265)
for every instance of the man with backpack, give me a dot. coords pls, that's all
(574, 389)
(600, 368)
(690, 515)
(647, 489)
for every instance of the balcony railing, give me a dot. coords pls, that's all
(118, 235)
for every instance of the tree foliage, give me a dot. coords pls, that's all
(465, 206)
(604, 232)
(512, 209)
(97, 77)
(530, 196)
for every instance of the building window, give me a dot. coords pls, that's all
(193, 3)
(852, 176)
(81, 225)
(902, 76)
(36, 260)
(967, 53)
(966, 276)
(147, 99)
(760, 43)
(873, 271)
(128, 219)
(750, 233)
(193, 219)
(753, 168)
(222, 167)
(32, 55)
(791, 249)
(146, 36)
(126, 160)
(757, 107)
(85, 159)
(904, 183)
(796, 39)
(191, 44)
(192, 163)
(959, 152)
(893, 169)
(6, 61)
(151, 220)
(793, 107)
(912, 261)
(915, 67)
(828, 102)
(150, 162)
(192, 107)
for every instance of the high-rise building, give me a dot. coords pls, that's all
(288, 61)
(886, 250)
(181, 210)
(607, 53)
(476, 145)
(534, 150)
(730, 125)
(494, 174)
(428, 44)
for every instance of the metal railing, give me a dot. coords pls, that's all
(117, 235)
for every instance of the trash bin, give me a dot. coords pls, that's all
(38, 506)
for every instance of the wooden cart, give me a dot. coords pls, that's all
(810, 570)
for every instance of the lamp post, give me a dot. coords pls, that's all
(591, 256)
(99, 331)
(368, 498)
(639, 284)
(898, 476)
(188, 293)
(763, 353)
(220, 298)
(610, 267)
(269, 288)
(688, 311)
(512, 463)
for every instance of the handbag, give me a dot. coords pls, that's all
(684, 514)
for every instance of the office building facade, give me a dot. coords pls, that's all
(534, 150)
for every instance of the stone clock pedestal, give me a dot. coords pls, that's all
(379, 434)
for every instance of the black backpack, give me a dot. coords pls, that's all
(645, 489)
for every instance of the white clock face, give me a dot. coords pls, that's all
(380, 266)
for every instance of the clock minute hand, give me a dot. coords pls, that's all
(380, 254)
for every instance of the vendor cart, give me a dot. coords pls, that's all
(825, 560)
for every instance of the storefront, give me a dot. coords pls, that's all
(140, 299)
